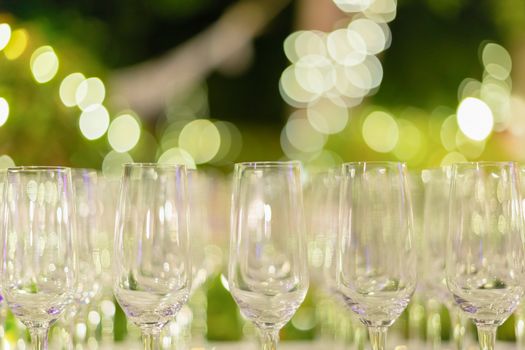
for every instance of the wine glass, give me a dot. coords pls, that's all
(485, 255)
(152, 269)
(376, 259)
(39, 262)
(268, 272)
(85, 183)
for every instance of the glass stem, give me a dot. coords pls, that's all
(151, 340)
(487, 337)
(39, 338)
(269, 339)
(377, 337)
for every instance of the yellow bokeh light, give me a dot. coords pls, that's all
(316, 74)
(328, 116)
(497, 61)
(469, 88)
(453, 157)
(470, 148)
(380, 131)
(68, 88)
(374, 36)
(5, 35)
(112, 165)
(124, 133)
(231, 142)
(90, 92)
(381, 11)
(201, 139)
(17, 44)
(304, 43)
(353, 5)
(302, 136)
(6, 162)
(44, 64)
(475, 118)
(177, 155)
(366, 75)
(448, 132)
(291, 91)
(4, 110)
(410, 140)
(346, 47)
(94, 122)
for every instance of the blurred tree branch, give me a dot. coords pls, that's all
(148, 86)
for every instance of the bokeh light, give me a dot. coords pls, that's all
(177, 155)
(469, 148)
(410, 140)
(380, 131)
(124, 133)
(497, 61)
(328, 116)
(475, 118)
(68, 88)
(201, 139)
(4, 110)
(291, 91)
(5, 35)
(6, 162)
(113, 162)
(231, 142)
(346, 47)
(375, 36)
(448, 132)
(44, 64)
(381, 11)
(304, 43)
(453, 157)
(17, 45)
(301, 135)
(353, 5)
(94, 122)
(90, 92)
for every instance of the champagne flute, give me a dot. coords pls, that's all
(268, 272)
(152, 254)
(39, 262)
(376, 260)
(485, 255)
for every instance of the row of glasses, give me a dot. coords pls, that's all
(371, 264)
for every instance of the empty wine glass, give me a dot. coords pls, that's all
(152, 254)
(485, 256)
(268, 272)
(376, 260)
(85, 183)
(39, 265)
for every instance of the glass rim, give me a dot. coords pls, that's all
(35, 168)
(154, 165)
(486, 163)
(268, 164)
(375, 163)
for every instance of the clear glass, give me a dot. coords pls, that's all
(39, 263)
(85, 184)
(152, 254)
(376, 259)
(433, 244)
(484, 255)
(268, 269)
